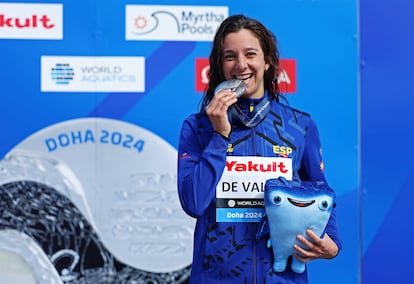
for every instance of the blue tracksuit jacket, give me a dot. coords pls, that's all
(228, 252)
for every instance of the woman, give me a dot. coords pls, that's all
(218, 140)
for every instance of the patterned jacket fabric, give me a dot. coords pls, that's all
(228, 252)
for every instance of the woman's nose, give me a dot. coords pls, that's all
(241, 63)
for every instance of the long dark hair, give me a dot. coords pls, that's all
(268, 43)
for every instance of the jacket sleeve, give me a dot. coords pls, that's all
(312, 169)
(199, 167)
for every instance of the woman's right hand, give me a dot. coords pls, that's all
(217, 111)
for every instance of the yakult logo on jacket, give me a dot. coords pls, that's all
(31, 21)
(244, 177)
(286, 78)
(250, 166)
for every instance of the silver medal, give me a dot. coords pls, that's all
(235, 85)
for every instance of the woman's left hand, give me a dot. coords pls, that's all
(315, 248)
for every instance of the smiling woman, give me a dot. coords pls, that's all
(231, 147)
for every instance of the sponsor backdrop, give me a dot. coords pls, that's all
(387, 117)
(94, 94)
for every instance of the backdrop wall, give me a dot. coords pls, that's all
(386, 118)
(94, 94)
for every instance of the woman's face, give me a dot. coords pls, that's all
(243, 59)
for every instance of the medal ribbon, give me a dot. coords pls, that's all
(250, 118)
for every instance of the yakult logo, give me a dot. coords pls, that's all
(250, 166)
(244, 177)
(286, 78)
(31, 21)
(178, 23)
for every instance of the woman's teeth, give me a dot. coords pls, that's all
(245, 77)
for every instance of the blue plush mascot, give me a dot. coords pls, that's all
(292, 207)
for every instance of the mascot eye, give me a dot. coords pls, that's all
(323, 205)
(277, 199)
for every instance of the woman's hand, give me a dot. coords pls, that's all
(217, 111)
(316, 248)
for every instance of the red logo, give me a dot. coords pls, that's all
(201, 74)
(286, 78)
(28, 22)
(251, 166)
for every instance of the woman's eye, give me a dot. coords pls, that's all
(228, 57)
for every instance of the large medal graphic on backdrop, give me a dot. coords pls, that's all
(105, 192)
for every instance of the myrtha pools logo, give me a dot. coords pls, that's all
(178, 23)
